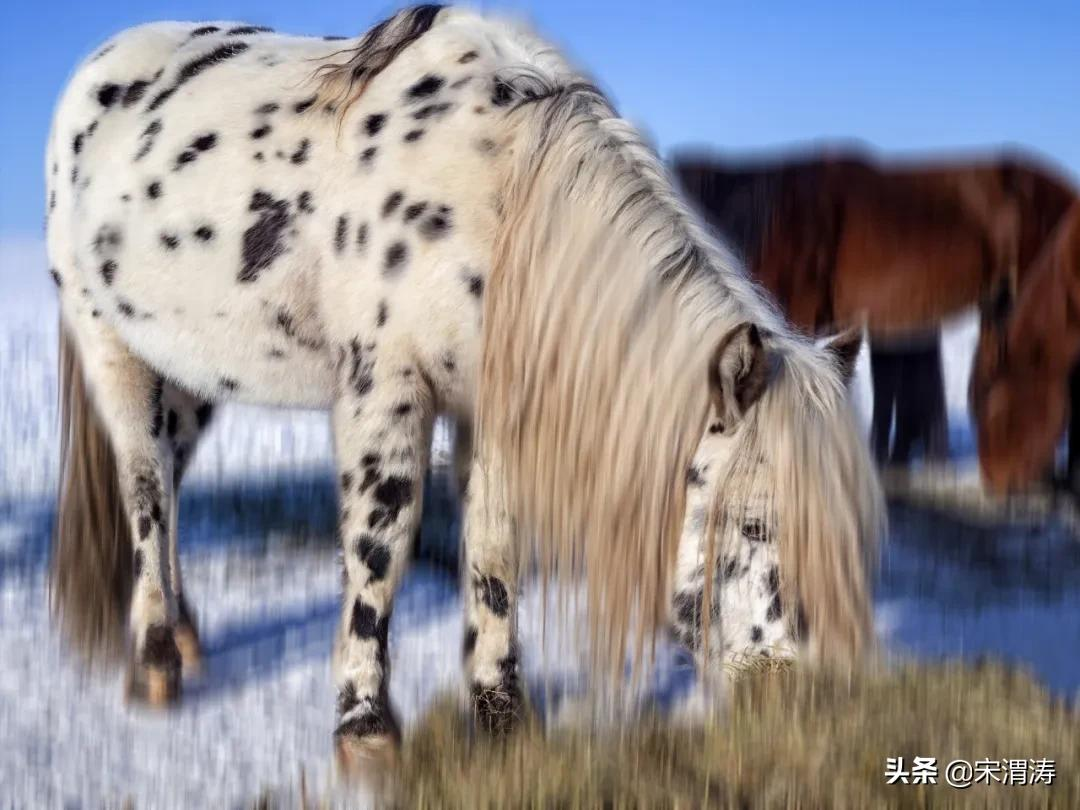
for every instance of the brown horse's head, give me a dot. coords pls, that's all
(1019, 380)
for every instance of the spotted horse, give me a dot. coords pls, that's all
(442, 215)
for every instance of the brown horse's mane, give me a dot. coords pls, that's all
(1044, 325)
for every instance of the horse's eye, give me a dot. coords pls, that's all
(754, 530)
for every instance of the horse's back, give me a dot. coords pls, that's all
(228, 222)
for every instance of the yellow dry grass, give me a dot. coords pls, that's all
(790, 738)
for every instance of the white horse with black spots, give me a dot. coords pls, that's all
(439, 216)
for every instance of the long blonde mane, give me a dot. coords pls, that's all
(605, 303)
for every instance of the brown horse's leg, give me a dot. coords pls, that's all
(883, 374)
(920, 410)
(910, 416)
(1073, 468)
(937, 419)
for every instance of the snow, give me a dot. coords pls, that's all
(259, 563)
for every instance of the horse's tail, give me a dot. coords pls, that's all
(596, 341)
(91, 567)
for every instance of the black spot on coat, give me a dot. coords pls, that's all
(437, 225)
(365, 620)
(107, 94)
(493, 593)
(427, 86)
(415, 210)
(469, 644)
(196, 66)
(373, 123)
(375, 555)
(301, 154)
(203, 414)
(248, 29)
(688, 607)
(305, 105)
(390, 205)
(776, 608)
(395, 259)
(339, 233)
(393, 494)
(432, 110)
(264, 241)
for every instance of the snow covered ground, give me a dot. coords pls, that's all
(256, 525)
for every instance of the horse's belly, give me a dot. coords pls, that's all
(265, 348)
(228, 361)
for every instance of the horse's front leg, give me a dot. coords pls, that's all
(382, 428)
(491, 589)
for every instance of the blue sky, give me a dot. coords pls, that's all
(905, 76)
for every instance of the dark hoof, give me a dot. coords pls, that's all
(367, 748)
(186, 635)
(154, 677)
(498, 711)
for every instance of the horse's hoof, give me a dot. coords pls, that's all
(153, 686)
(186, 636)
(499, 711)
(154, 677)
(368, 750)
(369, 760)
(187, 641)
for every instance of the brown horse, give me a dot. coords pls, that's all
(1023, 381)
(840, 238)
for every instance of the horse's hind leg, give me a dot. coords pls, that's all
(185, 417)
(382, 421)
(127, 396)
(490, 585)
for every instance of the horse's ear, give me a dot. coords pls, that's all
(844, 348)
(738, 374)
(996, 304)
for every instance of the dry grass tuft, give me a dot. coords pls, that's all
(790, 739)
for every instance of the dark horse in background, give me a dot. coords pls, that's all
(841, 238)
